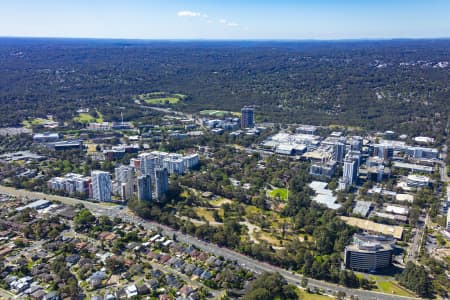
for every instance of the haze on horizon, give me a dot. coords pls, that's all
(232, 19)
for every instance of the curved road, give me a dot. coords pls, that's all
(244, 261)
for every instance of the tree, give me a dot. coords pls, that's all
(416, 278)
(270, 286)
(304, 282)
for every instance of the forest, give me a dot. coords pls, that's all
(394, 84)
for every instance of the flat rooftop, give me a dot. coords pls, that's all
(409, 166)
(395, 231)
(362, 208)
(324, 196)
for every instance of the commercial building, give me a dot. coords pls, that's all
(356, 143)
(323, 195)
(369, 253)
(378, 173)
(422, 152)
(66, 145)
(325, 169)
(384, 151)
(306, 129)
(101, 186)
(362, 208)
(103, 126)
(339, 152)
(38, 204)
(413, 167)
(144, 187)
(418, 181)
(46, 137)
(161, 183)
(118, 152)
(397, 210)
(350, 173)
(247, 117)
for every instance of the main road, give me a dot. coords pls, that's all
(245, 261)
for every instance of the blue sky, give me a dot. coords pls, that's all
(226, 19)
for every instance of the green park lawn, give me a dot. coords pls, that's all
(390, 287)
(166, 100)
(280, 193)
(307, 296)
(88, 118)
(160, 98)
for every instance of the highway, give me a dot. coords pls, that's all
(244, 261)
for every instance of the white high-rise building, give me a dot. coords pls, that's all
(101, 186)
(124, 177)
(147, 163)
(350, 171)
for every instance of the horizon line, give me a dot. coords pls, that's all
(226, 39)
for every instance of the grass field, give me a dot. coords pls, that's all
(218, 113)
(206, 213)
(166, 100)
(160, 98)
(36, 121)
(88, 118)
(390, 287)
(218, 202)
(305, 295)
(280, 193)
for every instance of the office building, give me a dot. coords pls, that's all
(350, 173)
(326, 169)
(101, 186)
(306, 129)
(161, 183)
(422, 152)
(66, 145)
(356, 143)
(125, 179)
(46, 137)
(144, 187)
(369, 253)
(384, 151)
(418, 181)
(339, 152)
(247, 117)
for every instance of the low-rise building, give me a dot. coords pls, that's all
(418, 181)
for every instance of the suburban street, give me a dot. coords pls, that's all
(244, 261)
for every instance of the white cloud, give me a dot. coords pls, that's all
(194, 14)
(188, 13)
